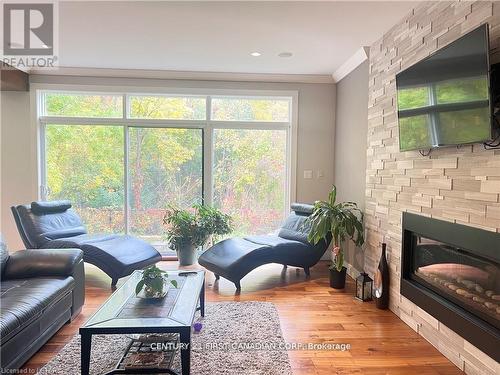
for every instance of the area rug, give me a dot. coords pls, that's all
(236, 338)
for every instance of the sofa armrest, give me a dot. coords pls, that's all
(34, 263)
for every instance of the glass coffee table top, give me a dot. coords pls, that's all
(124, 309)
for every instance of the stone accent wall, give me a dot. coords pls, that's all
(456, 184)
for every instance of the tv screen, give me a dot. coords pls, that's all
(445, 99)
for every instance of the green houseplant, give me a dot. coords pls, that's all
(341, 221)
(153, 283)
(189, 229)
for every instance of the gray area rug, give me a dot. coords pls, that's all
(236, 338)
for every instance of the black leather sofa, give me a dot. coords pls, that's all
(56, 225)
(233, 258)
(40, 291)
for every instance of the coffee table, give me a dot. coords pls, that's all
(124, 313)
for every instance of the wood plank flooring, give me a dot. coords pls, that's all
(310, 312)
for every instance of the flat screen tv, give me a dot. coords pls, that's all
(444, 99)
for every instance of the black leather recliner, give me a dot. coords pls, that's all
(233, 258)
(40, 292)
(56, 225)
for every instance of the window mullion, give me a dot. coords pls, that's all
(125, 106)
(43, 189)
(126, 178)
(208, 155)
(250, 125)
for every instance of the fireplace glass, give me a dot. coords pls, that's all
(465, 279)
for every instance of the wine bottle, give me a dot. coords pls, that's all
(381, 282)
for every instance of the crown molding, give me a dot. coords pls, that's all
(360, 56)
(185, 75)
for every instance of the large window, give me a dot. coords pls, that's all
(85, 165)
(165, 167)
(123, 158)
(250, 177)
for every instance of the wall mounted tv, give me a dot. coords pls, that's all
(444, 99)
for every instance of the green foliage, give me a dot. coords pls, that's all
(83, 105)
(450, 91)
(250, 178)
(414, 133)
(214, 221)
(86, 163)
(173, 108)
(165, 166)
(340, 220)
(462, 90)
(250, 109)
(413, 98)
(193, 228)
(152, 281)
(462, 126)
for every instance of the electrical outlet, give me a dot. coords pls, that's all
(308, 174)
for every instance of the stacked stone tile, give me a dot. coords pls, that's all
(456, 184)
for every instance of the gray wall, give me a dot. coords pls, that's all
(18, 160)
(350, 146)
(315, 136)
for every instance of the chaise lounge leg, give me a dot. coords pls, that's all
(307, 271)
(217, 277)
(237, 285)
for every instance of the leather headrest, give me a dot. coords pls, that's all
(51, 207)
(302, 208)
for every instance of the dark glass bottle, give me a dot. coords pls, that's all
(381, 283)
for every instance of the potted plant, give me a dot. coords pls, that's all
(341, 221)
(153, 283)
(189, 229)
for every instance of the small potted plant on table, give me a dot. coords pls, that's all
(189, 229)
(341, 221)
(154, 283)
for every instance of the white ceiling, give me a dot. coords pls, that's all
(219, 36)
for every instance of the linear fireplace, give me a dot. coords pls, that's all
(452, 272)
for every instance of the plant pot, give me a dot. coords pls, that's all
(148, 294)
(187, 255)
(337, 279)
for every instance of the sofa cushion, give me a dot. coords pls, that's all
(295, 228)
(224, 257)
(24, 300)
(302, 208)
(49, 207)
(43, 224)
(284, 250)
(117, 255)
(273, 241)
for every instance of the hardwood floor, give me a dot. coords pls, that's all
(310, 312)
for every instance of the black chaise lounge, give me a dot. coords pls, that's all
(56, 225)
(235, 257)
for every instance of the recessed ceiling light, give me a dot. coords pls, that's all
(285, 54)
(255, 54)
